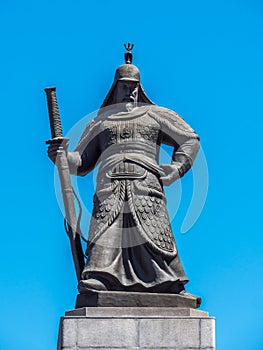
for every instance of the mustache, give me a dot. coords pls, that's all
(131, 97)
(127, 99)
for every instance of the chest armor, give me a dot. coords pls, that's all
(139, 130)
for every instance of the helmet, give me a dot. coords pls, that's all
(126, 72)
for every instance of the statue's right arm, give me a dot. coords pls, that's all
(84, 158)
(87, 153)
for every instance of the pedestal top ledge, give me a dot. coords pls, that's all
(138, 312)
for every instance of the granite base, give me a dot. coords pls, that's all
(136, 328)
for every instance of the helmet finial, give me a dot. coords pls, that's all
(128, 54)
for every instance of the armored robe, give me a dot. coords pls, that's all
(131, 245)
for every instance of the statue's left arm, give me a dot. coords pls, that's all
(178, 134)
(182, 160)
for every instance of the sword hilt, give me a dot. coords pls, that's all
(53, 111)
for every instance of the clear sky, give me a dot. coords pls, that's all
(202, 59)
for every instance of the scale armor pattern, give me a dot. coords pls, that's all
(154, 220)
(147, 206)
(107, 206)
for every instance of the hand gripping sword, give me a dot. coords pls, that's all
(64, 176)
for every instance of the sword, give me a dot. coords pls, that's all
(65, 182)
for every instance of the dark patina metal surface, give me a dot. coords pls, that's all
(131, 247)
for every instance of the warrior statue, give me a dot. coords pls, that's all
(131, 246)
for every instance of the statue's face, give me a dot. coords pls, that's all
(127, 91)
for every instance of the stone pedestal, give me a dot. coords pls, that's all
(135, 328)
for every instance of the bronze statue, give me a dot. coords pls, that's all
(130, 244)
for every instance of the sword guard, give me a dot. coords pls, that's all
(57, 140)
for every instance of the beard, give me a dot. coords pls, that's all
(129, 102)
(130, 106)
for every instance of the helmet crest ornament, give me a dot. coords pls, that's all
(128, 54)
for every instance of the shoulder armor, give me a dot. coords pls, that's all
(86, 135)
(172, 121)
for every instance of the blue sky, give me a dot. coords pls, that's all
(202, 59)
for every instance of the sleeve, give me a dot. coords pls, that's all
(184, 155)
(86, 154)
(178, 134)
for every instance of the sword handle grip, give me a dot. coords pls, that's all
(53, 111)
